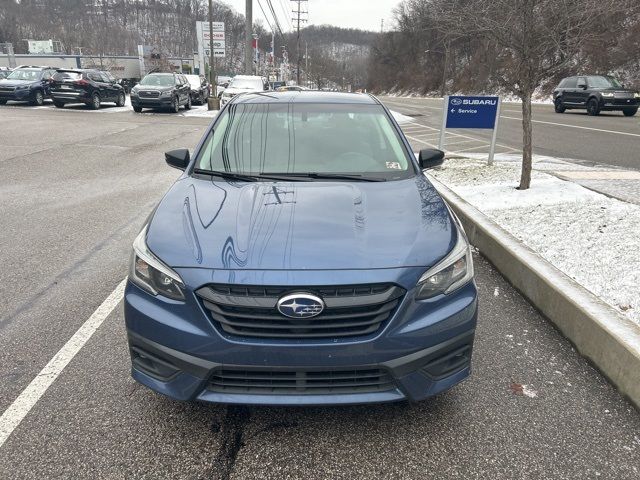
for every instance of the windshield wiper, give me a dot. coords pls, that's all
(228, 175)
(241, 176)
(335, 176)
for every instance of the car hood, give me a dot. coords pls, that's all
(615, 90)
(237, 91)
(152, 87)
(5, 82)
(301, 225)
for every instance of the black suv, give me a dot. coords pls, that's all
(162, 90)
(596, 93)
(27, 84)
(91, 87)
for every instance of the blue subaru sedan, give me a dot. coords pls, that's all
(302, 258)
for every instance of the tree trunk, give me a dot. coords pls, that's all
(527, 153)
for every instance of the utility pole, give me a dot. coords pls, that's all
(298, 18)
(212, 103)
(248, 37)
(306, 62)
(382, 25)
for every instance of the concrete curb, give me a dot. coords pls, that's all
(607, 338)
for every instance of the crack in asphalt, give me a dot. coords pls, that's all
(231, 441)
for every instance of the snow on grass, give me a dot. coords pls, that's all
(592, 238)
(400, 118)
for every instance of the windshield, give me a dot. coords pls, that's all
(158, 80)
(25, 75)
(603, 82)
(194, 80)
(254, 83)
(62, 75)
(300, 138)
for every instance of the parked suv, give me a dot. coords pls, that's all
(199, 89)
(595, 93)
(27, 84)
(301, 258)
(161, 91)
(91, 87)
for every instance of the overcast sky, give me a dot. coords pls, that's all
(363, 14)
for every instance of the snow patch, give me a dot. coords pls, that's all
(588, 236)
(400, 118)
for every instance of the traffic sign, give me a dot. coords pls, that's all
(471, 112)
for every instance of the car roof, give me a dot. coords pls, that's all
(308, 96)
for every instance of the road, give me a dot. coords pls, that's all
(75, 188)
(610, 138)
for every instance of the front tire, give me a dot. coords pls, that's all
(121, 100)
(137, 109)
(3, 102)
(95, 102)
(58, 104)
(38, 98)
(175, 105)
(629, 112)
(559, 108)
(593, 107)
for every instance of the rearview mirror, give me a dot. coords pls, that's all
(430, 158)
(178, 158)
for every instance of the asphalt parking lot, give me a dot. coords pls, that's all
(75, 188)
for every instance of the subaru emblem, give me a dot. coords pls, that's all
(300, 305)
(456, 101)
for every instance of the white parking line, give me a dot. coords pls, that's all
(22, 405)
(576, 126)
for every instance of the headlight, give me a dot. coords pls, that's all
(22, 87)
(452, 272)
(150, 274)
(166, 93)
(134, 91)
(637, 94)
(608, 94)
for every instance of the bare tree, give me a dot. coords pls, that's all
(534, 40)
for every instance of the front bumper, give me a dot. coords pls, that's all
(425, 348)
(160, 102)
(619, 103)
(16, 95)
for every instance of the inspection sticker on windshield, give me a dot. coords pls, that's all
(394, 166)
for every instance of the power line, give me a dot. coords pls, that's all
(283, 8)
(265, 16)
(275, 17)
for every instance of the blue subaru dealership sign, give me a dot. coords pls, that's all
(471, 112)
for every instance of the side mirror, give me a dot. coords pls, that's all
(582, 86)
(178, 158)
(430, 158)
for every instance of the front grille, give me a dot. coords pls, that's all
(300, 382)
(149, 94)
(350, 310)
